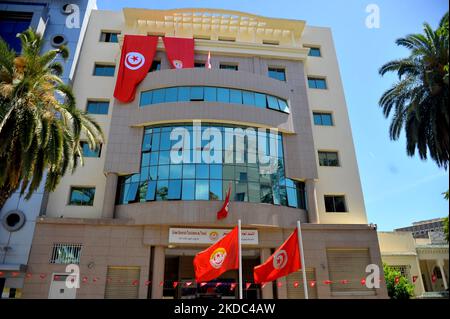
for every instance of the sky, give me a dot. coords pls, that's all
(398, 189)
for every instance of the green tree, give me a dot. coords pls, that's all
(419, 99)
(40, 126)
(402, 289)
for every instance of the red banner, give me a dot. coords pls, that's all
(180, 52)
(223, 212)
(137, 56)
(285, 260)
(217, 259)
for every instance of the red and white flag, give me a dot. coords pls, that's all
(208, 61)
(223, 212)
(217, 259)
(180, 52)
(137, 56)
(285, 260)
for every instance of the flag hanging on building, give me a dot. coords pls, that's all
(217, 259)
(285, 260)
(223, 212)
(137, 56)
(180, 52)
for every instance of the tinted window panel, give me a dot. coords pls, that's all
(236, 96)
(188, 190)
(183, 94)
(272, 102)
(223, 95)
(210, 94)
(171, 95)
(260, 100)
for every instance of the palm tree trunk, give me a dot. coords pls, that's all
(5, 193)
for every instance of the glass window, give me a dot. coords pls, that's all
(162, 190)
(171, 95)
(201, 190)
(151, 191)
(104, 70)
(174, 189)
(155, 141)
(175, 171)
(197, 93)
(199, 64)
(188, 189)
(210, 94)
(184, 94)
(215, 189)
(165, 141)
(163, 172)
(223, 95)
(109, 37)
(156, 66)
(314, 51)
(82, 196)
(277, 74)
(188, 170)
(335, 204)
(272, 102)
(241, 192)
(254, 191)
(164, 157)
(87, 152)
(202, 171)
(317, 83)
(228, 67)
(248, 97)
(236, 96)
(215, 171)
(146, 143)
(283, 106)
(146, 98)
(97, 107)
(158, 96)
(292, 197)
(260, 100)
(328, 158)
(132, 191)
(325, 119)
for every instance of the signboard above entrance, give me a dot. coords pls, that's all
(208, 236)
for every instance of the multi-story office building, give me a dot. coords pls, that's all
(133, 219)
(60, 23)
(431, 228)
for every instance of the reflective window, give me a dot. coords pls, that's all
(213, 94)
(314, 51)
(82, 196)
(104, 70)
(97, 107)
(325, 119)
(109, 37)
(277, 74)
(87, 152)
(317, 83)
(160, 179)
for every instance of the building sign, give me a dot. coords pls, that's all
(208, 236)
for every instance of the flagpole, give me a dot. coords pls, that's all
(240, 261)
(302, 258)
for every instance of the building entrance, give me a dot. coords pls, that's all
(179, 279)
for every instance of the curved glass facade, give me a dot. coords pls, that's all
(213, 94)
(241, 167)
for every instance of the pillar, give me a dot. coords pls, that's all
(313, 211)
(109, 200)
(158, 272)
(440, 263)
(267, 291)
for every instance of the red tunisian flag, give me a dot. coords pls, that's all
(217, 259)
(285, 260)
(180, 52)
(137, 56)
(223, 212)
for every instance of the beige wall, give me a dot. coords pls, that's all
(343, 180)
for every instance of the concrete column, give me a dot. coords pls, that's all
(267, 291)
(313, 210)
(441, 268)
(109, 200)
(158, 272)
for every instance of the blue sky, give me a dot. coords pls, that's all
(397, 189)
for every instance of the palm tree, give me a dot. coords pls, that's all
(419, 100)
(40, 126)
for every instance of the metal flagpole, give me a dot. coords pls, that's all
(240, 261)
(302, 258)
